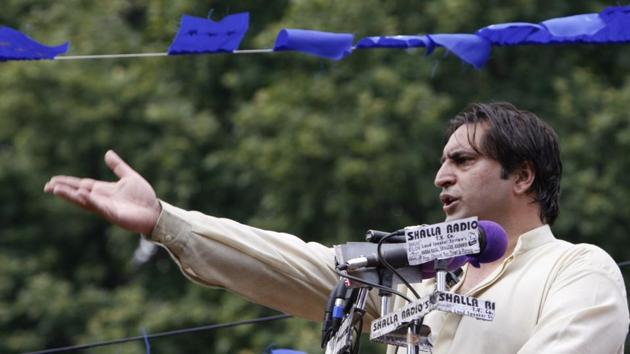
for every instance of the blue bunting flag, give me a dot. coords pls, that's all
(513, 33)
(14, 45)
(617, 30)
(401, 41)
(573, 29)
(472, 49)
(199, 35)
(612, 25)
(329, 45)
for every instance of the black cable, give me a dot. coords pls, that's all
(327, 323)
(163, 334)
(383, 261)
(374, 285)
(353, 346)
(623, 264)
(359, 329)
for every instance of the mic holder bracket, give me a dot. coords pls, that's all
(353, 250)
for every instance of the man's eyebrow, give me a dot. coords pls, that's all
(457, 154)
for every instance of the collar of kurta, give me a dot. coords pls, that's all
(528, 241)
(533, 239)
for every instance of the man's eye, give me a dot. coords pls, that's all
(462, 160)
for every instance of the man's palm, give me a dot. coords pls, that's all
(130, 202)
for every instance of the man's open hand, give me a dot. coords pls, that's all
(130, 202)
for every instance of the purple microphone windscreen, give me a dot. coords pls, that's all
(496, 241)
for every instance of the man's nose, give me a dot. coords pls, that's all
(444, 176)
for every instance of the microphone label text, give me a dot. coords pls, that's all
(449, 239)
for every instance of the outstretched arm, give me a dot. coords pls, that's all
(270, 268)
(130, 202)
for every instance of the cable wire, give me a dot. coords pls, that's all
(358, 327)
(374, 285)
(159, 54)
(623, 264)
(384, 262)
(163, 334)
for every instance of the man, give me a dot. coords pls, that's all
(499, 164)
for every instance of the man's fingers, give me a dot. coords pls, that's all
(70, 181)
(70, 194)
(80, 197)
(87, 184)
(116, 164)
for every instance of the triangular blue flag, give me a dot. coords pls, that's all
(328, 45)
(573, 29)
(199, 35)
(617, 29)
(513, 33)
(400, 41)
(473, 49)
(15, 45)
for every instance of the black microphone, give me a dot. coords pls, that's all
(375, 236)
(395, 256)
(328, 323)
(338, 305)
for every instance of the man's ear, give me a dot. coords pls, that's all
(524, 176)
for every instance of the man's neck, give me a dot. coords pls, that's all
(514, 229)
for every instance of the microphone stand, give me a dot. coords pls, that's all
(441, 268)
(377, 275)
(414, 329)
(412, 337)
(386, 279)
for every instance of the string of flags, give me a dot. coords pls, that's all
(198, 35)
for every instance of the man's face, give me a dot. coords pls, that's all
(471, 183)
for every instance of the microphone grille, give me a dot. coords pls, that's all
(496, 241)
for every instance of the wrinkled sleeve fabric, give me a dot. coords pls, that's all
(585, 309)
(277, 270)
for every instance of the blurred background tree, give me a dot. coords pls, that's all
(284, 141)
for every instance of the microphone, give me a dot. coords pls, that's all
(492, 243)
(339, 303)
(375, 236)
(329, 323)
(397, 258)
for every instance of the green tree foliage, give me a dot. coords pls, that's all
(286, 141)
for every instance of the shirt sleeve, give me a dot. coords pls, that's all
(585, 309)
(277, 270)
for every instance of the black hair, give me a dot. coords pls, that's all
(514, 137)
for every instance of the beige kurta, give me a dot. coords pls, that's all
(551, 296)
